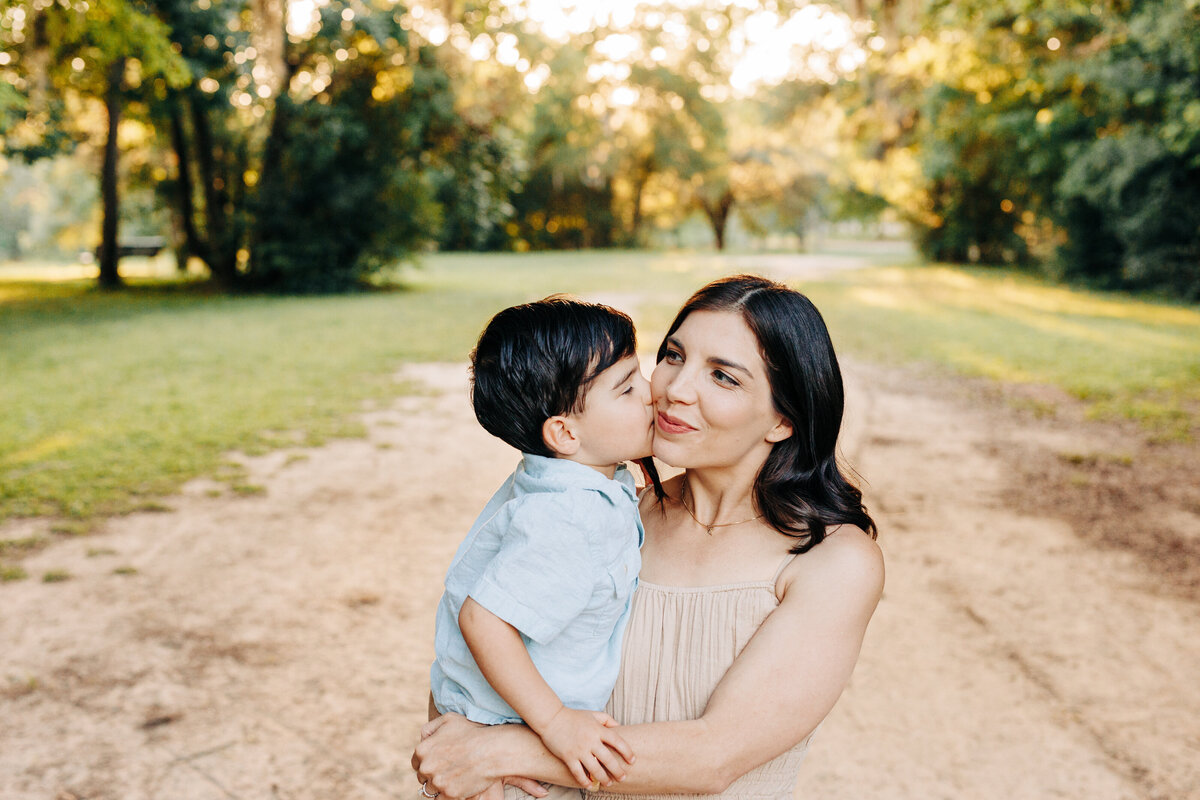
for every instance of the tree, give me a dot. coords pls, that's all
(343, 193)
(59, 50)
(1067, 133)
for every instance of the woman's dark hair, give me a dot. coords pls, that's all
(800, 490)
(536, 360)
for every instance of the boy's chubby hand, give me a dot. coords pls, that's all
(586, 742)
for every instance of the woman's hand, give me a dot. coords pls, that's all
(452, 761)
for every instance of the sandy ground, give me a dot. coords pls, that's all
(277, 645)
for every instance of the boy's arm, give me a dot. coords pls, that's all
(582, 739)
(502, 658)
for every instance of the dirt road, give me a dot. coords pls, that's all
(277, 645)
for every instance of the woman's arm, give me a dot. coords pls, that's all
(773, 696)
(793, 670)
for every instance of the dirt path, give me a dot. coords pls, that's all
(277, 645)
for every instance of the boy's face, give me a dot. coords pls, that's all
(617, 421)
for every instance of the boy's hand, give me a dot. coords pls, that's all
(586, 743)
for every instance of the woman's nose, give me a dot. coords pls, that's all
(680, 388)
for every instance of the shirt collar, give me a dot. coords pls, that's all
(560, 473)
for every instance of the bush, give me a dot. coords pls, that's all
(474, 189)
(1132, 214)
(349, 194)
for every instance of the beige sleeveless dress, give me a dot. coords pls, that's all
(678, 645)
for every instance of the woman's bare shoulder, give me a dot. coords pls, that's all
(847, 562)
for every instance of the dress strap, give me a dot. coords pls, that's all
(782, 566)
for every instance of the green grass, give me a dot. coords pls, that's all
(112, 400)
(1123, 357)
(12, 572)
(24, 544)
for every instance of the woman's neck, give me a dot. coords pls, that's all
(718, 496)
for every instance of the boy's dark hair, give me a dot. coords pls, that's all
(536, 361)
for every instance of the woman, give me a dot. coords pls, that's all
(757, 580)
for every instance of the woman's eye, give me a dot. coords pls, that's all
(673, 357)
(627, 391)
(724, 378)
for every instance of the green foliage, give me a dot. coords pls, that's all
(1134, 215)
(567, 199)
(977, 178)
(852, 203)
(288, 163)
(1136, 187)
(480, 173)
(46, 43)
(1074, 125)
(348, 198)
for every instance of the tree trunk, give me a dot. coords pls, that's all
(192, 245)
(639, 188)
(718, 215)
(269, 36)
(273, 150)
(222, 253)
(110, 278)
(268, 189)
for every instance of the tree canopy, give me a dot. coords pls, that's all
(301, 146)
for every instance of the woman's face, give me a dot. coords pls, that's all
(712, 398)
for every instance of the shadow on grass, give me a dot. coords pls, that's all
(77, 297)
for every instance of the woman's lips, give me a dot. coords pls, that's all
(669, 424)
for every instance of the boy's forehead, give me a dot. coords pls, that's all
(617, 372)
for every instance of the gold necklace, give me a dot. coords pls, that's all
(708, 526)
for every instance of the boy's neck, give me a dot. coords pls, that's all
(607, 470)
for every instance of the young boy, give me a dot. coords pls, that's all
(529, 627)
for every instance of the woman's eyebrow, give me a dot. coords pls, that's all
(623, 380)
(724, 362)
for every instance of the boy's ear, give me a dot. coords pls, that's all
(559, 435)
(781, 431)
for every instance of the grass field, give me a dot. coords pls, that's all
(1124, 357)
(112, 400)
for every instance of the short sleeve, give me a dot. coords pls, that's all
(544, 574)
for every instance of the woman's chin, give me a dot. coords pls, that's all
(670, 455)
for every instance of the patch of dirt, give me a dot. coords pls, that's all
(1038, 635)
(1112, 483)
(1141, 498)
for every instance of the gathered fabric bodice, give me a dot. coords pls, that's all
(678, 645)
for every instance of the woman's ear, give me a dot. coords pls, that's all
(559, 435)
(781, 431)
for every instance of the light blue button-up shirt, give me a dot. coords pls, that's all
(555, 553)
